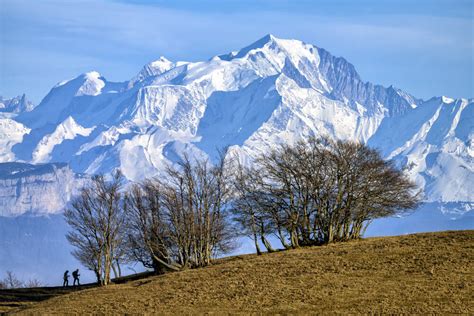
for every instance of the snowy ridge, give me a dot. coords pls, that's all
(68, 129)
(272, 91)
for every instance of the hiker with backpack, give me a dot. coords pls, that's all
(75, 275)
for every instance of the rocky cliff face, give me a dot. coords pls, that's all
(36, 189)
(16, 105)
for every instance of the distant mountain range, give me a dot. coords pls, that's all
(273, 91)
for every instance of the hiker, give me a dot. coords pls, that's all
(75, 275)
(66, 278)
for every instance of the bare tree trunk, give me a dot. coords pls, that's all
(165, 264)
(119, 270)
(257, 247)
(282, 238)
(98, 276)
(365, 228)
(294, 239)
(264, 240)
(330, 233)
(106, 268)
(100, 279)
(114, 270)
(266, 243)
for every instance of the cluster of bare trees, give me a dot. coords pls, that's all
(317, 191)
(172, 223)
(12, 282)
(180, 221)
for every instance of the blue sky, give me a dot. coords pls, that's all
(423, 47)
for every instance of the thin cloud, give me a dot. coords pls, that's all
(118, 38)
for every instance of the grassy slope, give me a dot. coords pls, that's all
(419, 273)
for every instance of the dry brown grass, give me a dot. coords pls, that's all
(422, 273)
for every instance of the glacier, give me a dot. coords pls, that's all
(272, 91)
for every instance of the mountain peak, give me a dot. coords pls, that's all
(161, 65)
(92, 85)
(267, 39)
(90, 75)
(162, 59)
(261, 43)
(93, 74)
(154, 68)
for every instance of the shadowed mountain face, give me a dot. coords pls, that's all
(272, 91)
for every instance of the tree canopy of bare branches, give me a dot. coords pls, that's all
(319, 191)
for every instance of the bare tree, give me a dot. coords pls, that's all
(97, 221)
(33, 283)
(11, 281)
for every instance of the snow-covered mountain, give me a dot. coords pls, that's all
(273, 91)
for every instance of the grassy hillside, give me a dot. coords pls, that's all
(421, 273)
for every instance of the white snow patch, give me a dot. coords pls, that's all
(68, 129)
(92, 85)
(11, 133)
(447, 100)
